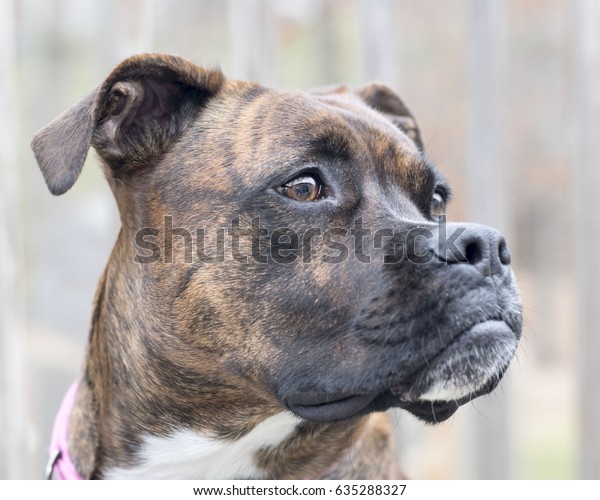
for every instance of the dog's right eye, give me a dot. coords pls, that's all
(304, 188)
(438, 204)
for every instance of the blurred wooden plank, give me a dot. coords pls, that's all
(132, 27)
(327, 53)
(586, 243)
(254, 33)
(486, 162)
(487, 174)
(13, 414)
(378, 52)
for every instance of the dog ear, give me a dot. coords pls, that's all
(131, 119)
(386, 101)
(61, 147)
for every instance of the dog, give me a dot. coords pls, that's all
(340, 291)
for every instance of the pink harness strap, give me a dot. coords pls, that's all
(60, 465)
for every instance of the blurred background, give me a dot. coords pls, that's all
(507, 94)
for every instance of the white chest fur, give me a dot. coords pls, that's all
(186, 454)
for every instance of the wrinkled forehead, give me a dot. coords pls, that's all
(251, 139)
(275, 129)
(256, 138)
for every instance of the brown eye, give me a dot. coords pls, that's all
(438, 204)
(302, 188)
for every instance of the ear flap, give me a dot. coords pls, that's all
(386, 101)
(131, 119)
(61, 147)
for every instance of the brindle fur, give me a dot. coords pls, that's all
(197, 346)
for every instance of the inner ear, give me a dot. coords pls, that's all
(386, 101)
(140, 119)
(137, 102)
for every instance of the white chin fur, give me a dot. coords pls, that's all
(445, 391)
(465, 379)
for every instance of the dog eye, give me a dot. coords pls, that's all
(438, 204)
(302, 188)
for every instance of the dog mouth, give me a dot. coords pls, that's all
(471, 362)
(470, 366)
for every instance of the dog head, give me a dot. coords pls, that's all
(292, 241)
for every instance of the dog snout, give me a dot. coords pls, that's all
(480, 246)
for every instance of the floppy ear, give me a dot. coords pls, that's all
(131, 119)
(61, 147)
(386, 101)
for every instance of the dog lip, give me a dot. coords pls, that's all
(406, 393)
(328, 407)
(432, 411)
(492, 330)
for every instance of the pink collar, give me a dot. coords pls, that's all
(60, 465)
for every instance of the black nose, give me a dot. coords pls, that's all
(480, 246)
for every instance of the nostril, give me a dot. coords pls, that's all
(473, 253)
(503, 252)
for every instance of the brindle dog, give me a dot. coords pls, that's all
(338, 294)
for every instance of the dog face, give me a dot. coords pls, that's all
(319, 272)
(415, 324)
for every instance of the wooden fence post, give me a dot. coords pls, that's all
(13, 414)
(487, 173)
(134, 28)
(378, 52)
(586, 242)
(253, 33)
